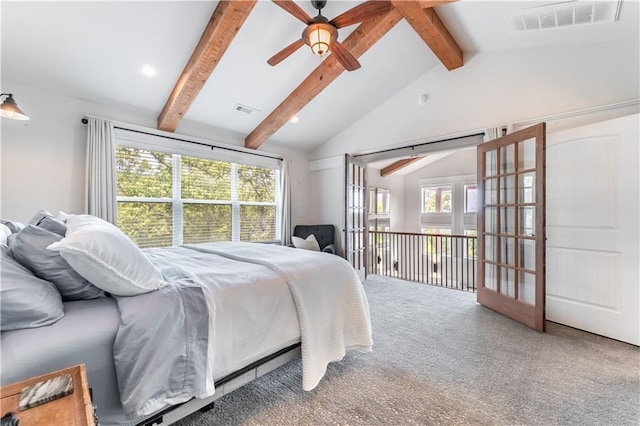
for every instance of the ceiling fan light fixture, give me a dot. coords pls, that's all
(319, 36)
(9, 109)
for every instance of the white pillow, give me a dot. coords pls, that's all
(309, 244)
(106, 257)
(4, 233)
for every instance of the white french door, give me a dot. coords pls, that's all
(355, 209)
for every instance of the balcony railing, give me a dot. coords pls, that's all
(441, 260)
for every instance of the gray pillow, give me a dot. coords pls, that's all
(12, 225)
(38, 217)
(29, 247)
(26, 301)
(52, 224)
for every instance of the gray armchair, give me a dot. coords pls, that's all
(323, 233)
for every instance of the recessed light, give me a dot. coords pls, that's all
(148, 70)
(294, 119)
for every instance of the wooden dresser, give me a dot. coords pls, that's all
(73, 409)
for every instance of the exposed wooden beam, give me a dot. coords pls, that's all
(400, 164)
(358, 42)
(432, 31)
(222, 28)
(432, 3)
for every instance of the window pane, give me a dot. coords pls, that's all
(436, 199)
(147, 224)
(527, 188)
(470, 198)
(256, 184)
(507, 159)
(206, 222)
(445, 201)
(428, 200)
(141, 173)
(257, 223)
(204, 179)
(527, 154)
(382, 201)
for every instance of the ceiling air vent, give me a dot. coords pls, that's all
(564, 14)
(245, 109)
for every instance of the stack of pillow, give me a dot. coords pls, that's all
(64, 258)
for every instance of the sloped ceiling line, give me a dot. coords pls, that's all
(222, 28)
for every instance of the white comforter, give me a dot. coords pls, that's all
(332, 307)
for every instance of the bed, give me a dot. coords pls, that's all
(221, 315)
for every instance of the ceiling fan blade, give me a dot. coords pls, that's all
(348, 61)
(362, 12)
(295, 10)
(284, 53)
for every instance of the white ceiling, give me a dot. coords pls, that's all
(92, 51)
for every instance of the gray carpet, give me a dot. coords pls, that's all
(440, 358)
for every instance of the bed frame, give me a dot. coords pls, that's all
(224, 386)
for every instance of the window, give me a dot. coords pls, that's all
(470, 198)
(168, 199)
(436, 199)
(448, 205)
(379, 209)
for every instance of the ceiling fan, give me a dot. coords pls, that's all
(322, 35)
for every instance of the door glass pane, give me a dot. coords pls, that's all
(508, 282)
(527, 187)
(507, 159)
(527, 154)
(490, 247)
(507, 189)
(491, 191)
(491, 163)
(527, 288)
(507, 251)
(527, 254)
(507, 220)
(491, 276)
(491, 220)
(527, 221)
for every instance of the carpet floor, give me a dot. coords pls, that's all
(439, 358)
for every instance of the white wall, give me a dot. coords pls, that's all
(496, 88)
(43, 160)
(326, 203)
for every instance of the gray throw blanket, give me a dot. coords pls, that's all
(160, 350)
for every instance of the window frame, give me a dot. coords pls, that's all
(458, 220)
(200, 149)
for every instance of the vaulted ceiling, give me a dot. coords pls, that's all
(229, 16)
(211, 56)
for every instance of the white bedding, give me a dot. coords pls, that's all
(333, 312)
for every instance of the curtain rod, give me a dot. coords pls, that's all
(419, 144)
(85, 121)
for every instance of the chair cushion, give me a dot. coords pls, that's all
(309, 243)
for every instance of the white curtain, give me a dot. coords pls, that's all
(285, 203)
(492, 133)
(101, 169)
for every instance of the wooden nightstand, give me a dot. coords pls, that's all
(73, 409)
